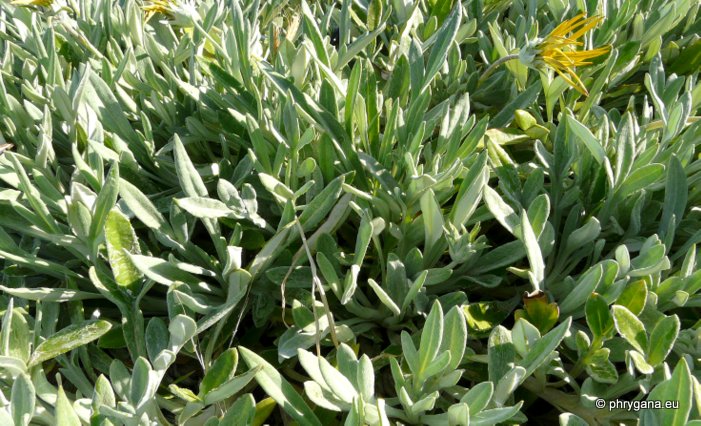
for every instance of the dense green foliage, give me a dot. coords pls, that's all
(240, 212)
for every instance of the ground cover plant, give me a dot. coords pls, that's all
(415, 212)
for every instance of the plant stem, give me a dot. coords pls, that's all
(495, 65)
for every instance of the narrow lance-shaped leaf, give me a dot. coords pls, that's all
(65, 414)
(630, 327)
(662, 338)
(433, 219)
(679, 389)
(141, 206)
(584, 135)
(105, 201)
(542, 349)
(431, 337)
(120, 238)
(444, 40)
(275, 385)
(69, 338)
(676, 194)
(535, 257)
(23, 400)
(204, 208)
(190, 181)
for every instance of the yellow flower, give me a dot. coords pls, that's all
(558, 50)
(181, 13)
(157, 6)
(25, 3)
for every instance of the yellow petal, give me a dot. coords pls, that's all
(566, 26)
(573, 80)
(580, 57)
(589, 23)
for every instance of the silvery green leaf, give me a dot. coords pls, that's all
(79, 219)
(120, 378)
(583, 235)
(459, 415)
(49, 294)
(508, 384)
(103, 395)
(432, 218)
(478, 396)
(427, 403)
(163, 361)
(120, 237)
(535, 257)
(454, 336)
(276, 188)
(162, 271)
(444, 40)
(223, 369)
(600, 368)
(414, 290)
(321, 205)
(569, 419)
(22, 402)
(358, 45)
(322, 397)
(190, 180)
(190, 410)
(502, 212)
(662, 338)
(676, 388)
(106, 200)
(13, 366)
(33, 196)
(280, 389)
(67, 339)
(365, 377)
(587, 138)
(640, 179)
(630, 327)
(230, 387)
(582, 290)
(384, 297)
(141, 206)
(182, 328)
(675, 194)
(411, 355)
(16, 339)
(205, 208)
(542, 349)
(495, 415)
(522, 101)
(310, 363)
(438, 366)
(501, 352)
(431, 338)
(538, 213)
(157, 337)
(524, 335)
(241, 412)
(142, 385)
(598, 315)
(651, 259)
(117, 415)
(337, 382)
(65, 414)
(270, 251)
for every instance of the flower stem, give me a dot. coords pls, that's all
(495, 65)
